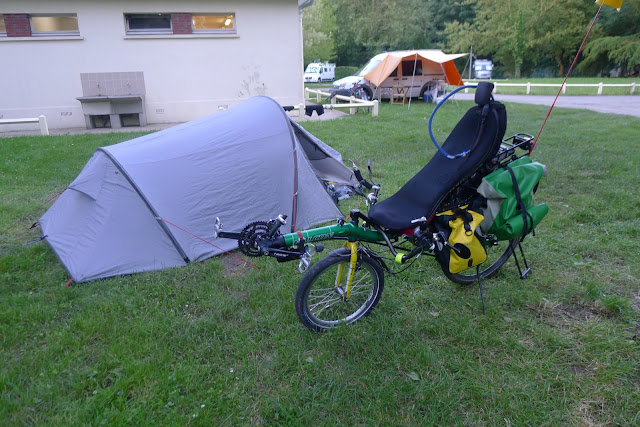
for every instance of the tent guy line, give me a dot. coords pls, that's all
(209, 243)
(28, 214)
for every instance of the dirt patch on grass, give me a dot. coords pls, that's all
(234, 265)
(562, 315)
(587, 413)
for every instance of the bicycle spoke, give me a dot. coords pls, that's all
(360, 292)
(326, 299)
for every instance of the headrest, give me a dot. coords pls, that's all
(483, 93)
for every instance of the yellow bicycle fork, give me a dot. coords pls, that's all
(353, 247)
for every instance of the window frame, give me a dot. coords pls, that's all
(3, 33)
(147, 31)
(63, 33)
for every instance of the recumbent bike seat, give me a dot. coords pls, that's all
(480, 131)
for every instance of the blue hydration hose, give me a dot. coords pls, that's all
(433, 138)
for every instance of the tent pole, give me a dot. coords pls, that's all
(152, 210)
(446, 80)
(470, 61)
(415, 62)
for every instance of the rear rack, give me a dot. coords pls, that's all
(507, 152)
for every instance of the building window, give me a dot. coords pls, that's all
(180, 24)
(148, 23)
(3, 27)
(54, 24)
(214, 23)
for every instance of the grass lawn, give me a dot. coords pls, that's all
(219, 343)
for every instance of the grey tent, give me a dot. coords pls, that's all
(138, 205)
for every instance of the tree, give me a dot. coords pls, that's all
(623, 51)
(617, 41)
(460, 12)
(522, 33)
(319, 26)
(501, 32)
(559, 35)
(459, 36)
(367, 27)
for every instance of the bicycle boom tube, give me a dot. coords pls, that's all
(347, 230)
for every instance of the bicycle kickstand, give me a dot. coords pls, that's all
(523, 274)
(484, 307)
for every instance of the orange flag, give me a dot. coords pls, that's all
(613, 3)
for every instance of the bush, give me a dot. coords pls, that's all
(344, 71)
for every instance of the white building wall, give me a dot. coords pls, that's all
(186, 76)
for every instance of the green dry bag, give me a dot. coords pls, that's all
(510, 211)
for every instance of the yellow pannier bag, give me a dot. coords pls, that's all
(468, 249)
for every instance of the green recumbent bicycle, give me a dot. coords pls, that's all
(470, 211)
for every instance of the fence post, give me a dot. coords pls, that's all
(301, 111)
(352, 110)
(374, 110)
(495, 88)
(318, 97)
(633, 88)
(600, 88)
(44, 129)
(528, 88)
(564, 89)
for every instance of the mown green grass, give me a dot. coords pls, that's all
(219, 343)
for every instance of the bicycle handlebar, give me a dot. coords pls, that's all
(359, 177)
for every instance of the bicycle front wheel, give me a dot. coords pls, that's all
(323, 300)
(497, 255)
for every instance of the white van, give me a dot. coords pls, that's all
(482, 68)
(320, 72)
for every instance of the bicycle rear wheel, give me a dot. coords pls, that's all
(322, 301)
(497, 255)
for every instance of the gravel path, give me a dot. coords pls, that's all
(628, 105)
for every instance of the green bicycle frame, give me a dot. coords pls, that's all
(347, 230)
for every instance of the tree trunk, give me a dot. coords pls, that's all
(560, 64)
(516, 73)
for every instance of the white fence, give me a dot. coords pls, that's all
(529, 85)
(353, 102)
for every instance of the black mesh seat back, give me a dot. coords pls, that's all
(426, 190)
